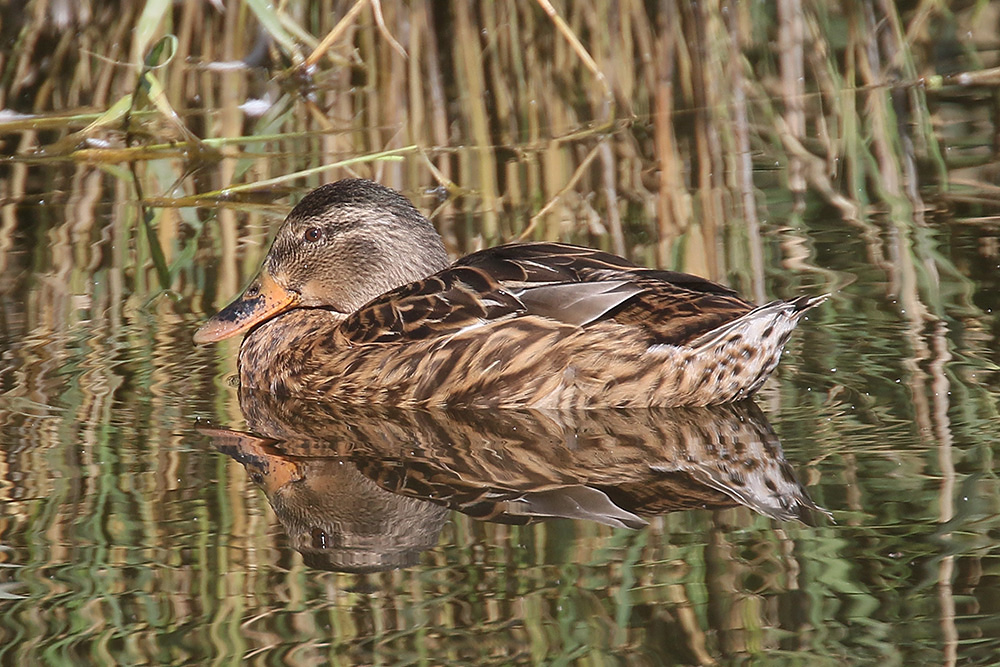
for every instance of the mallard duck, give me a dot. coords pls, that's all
(357, 301)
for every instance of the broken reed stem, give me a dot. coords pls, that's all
(577, 175)
(336, 33)
(279, 180)
(576, 45)
(380, 22)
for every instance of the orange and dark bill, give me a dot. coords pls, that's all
(262, 300)
(258, 455)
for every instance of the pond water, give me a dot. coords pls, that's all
(151, 512)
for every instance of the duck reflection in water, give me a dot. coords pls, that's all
(365, 489)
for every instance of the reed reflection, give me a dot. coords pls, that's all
(368, 488)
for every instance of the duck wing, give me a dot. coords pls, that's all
(442, 304)
(561, 283)
(673, 308)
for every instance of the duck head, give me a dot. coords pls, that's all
(343, 245)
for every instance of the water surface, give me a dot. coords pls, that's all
(145, 512)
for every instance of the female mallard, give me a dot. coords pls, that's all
(356, 301)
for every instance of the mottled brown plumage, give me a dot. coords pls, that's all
(356, 301)
(358, 486)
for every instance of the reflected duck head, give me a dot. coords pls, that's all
(343, 245)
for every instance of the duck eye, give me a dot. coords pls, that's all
(313, 234)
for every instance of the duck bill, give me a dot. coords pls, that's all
(261, 301)
(257, 455)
